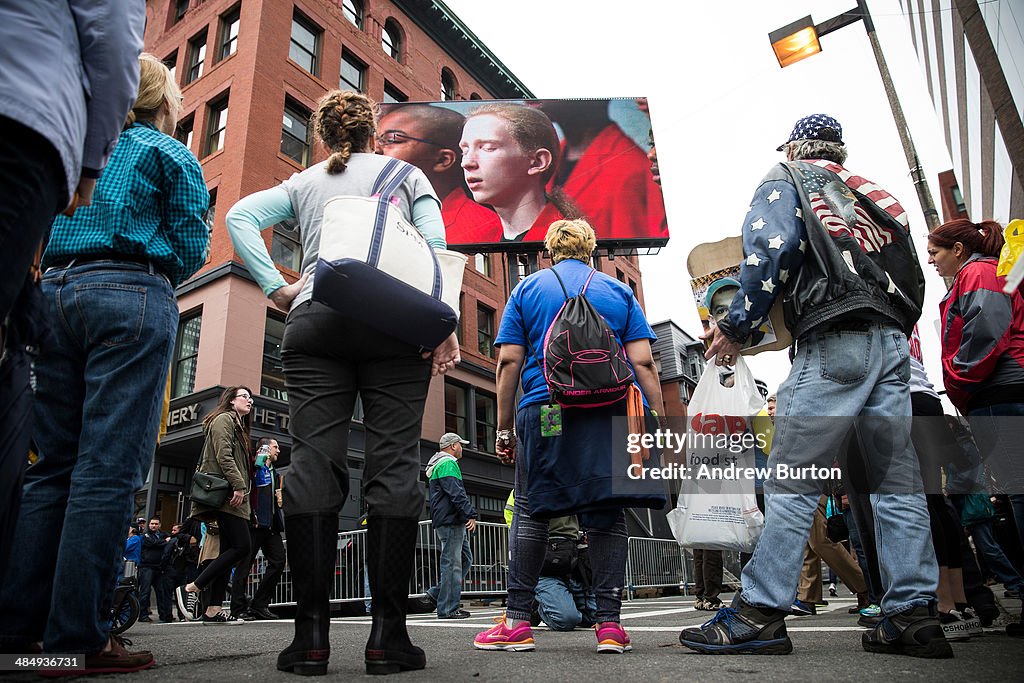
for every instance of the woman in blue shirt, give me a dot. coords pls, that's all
(582, 442)
(100, 379)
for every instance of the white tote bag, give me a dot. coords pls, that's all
(376, 267)
(717, 508)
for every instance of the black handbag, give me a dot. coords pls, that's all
(210, 489)
(835, 526)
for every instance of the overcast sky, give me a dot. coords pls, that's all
(720, 106)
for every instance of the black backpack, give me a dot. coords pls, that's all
(584, 365)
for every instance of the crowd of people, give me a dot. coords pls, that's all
(834, 246)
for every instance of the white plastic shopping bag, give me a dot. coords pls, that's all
(717, 509)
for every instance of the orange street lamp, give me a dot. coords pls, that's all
(800, 39)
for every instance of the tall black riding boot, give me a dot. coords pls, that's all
(390, 545)
(312, 553)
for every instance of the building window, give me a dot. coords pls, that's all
(526, 264)
(353, 73)
(305, 44)
(486, 419)
(183, 133)
(218, 124)
(958, 199)
(173, 476)
(295, 133)
(285, 249)
(475, 96)
(455, 409)
(391, 40)
(447, 85)
(229, 33)
(462, 318)
(272, 381)
(482, 263)
(180, 7)
(485, 330)
(353, 11)
(695, 367)
(393, 94)
(211, 211)
(186, 353)
(171, 62)
(656, 356)
(196, 57)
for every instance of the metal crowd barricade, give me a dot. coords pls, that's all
(650, 563)
(488, 575)
(656, 563)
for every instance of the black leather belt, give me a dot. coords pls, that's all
(111, 259)
(850, 325)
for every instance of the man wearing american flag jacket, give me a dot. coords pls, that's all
(837, 248)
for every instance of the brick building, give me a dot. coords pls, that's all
(251, 71)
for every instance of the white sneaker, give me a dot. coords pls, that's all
(953, 626)
(974, 627)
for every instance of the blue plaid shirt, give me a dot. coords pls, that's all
(149, 204)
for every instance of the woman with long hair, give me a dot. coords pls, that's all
(509, 153)
(983, 347)
(225, 452)
(329, 359)
(111, 270)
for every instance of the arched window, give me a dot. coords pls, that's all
(474, 96)
(448, 87)
(353, 11)
(391, 39)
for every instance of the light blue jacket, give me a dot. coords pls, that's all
(70, 72)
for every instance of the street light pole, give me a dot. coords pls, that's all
(924, 195)
(800, 40)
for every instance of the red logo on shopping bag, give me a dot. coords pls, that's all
(710, 423)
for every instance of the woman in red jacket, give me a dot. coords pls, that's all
(983, 347)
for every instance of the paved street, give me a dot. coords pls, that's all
(827, 646)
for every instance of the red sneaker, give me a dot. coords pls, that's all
(501, 637)
(611, 637)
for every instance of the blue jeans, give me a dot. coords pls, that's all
(995, 559)
(835, 377)
(564, 604)
(999, 431)
(99, 393)
(456, 561)
(528, 539)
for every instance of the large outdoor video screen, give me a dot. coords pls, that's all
(505, 170)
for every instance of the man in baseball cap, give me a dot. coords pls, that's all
(450, 438)
(837, 249)
(453, 518)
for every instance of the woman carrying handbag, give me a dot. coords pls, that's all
(225, 452)
(330, 356)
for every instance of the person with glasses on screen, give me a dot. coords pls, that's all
(427, 137)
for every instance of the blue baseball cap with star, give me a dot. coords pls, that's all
(815, 127)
